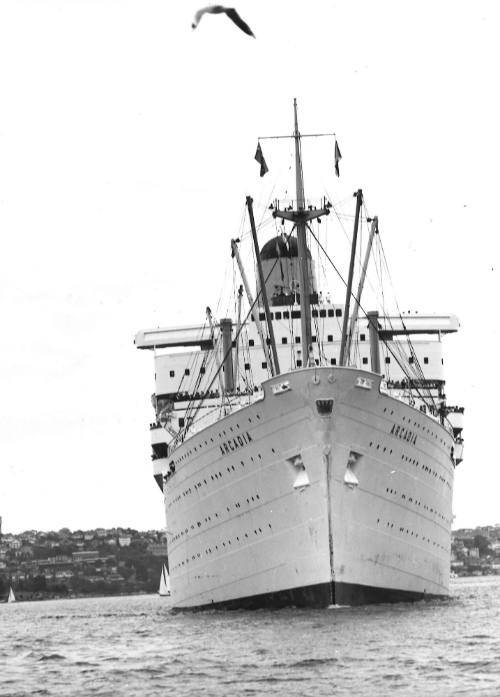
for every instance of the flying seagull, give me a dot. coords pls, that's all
(229, 11)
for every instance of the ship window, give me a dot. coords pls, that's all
(172, 373)
(295, 314)
(330, 313)
(322, 313)
(277, 315)
(272, 315)
(284, 340)
(299, 363)
(268, 341)
(251, 342)
(333, 361)
(410, 360)
(314, 313)
(338, 313)
(264, 364)
(186, 372)
(330, 337)
(247, 366)
(202, 370)
(262, 315)
(286, 315)
(313, 338)
(442, 361)
(387, 359)
(365, 360)
(426, 360)
(362, 337)
(181, 422)
(297, 339)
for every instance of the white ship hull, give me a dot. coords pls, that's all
(282, 502)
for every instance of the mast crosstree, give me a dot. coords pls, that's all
(300, 217)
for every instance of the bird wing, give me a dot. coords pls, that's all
(198, 16)
(232, 14)
(213, 9)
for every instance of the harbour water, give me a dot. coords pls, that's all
(138, 646)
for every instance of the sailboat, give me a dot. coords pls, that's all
(164, 588)
(305, 451)
(12, 597)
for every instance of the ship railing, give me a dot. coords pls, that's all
(212, 413)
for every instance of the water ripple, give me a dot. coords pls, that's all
(52, 657)
(131, 647)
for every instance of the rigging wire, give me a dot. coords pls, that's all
(411, 371)
(418, 368)
(222, 362)
(400, 363)
(413, 368)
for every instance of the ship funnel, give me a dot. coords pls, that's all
(280, 266)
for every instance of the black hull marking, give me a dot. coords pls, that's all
(316, 596)
(355, 594)
(320, 595)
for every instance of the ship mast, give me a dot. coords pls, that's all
(355, 312)
(359, 200)
(300, 217)
(275, 366)
(304, 283)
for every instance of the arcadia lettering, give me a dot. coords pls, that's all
(404, 433)
(229, 446)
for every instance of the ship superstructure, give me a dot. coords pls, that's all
(305, 451)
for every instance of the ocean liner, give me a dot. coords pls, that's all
(305, 451)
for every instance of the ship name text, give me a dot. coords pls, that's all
(229, 446)
(404, 433)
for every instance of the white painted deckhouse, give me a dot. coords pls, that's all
(306, 452)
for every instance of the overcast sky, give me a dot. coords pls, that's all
(126, 153)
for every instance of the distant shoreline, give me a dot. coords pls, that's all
(24, 597)
(37, 597)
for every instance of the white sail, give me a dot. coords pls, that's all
(12, 597)
(164, 588)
